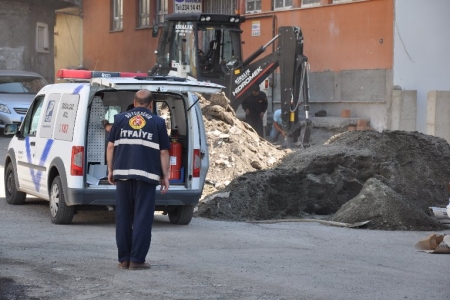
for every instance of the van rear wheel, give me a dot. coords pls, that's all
(182, 215)
(12, 195)
(59, 211)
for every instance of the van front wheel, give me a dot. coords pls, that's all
(182, 215)
(59, 211)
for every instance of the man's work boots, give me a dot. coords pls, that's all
(139, 266)
(124, 264)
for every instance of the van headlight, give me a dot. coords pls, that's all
(4, 109)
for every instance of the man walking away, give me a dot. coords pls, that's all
(255, 105)
(138, 160)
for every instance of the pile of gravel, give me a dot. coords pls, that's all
(389, 178)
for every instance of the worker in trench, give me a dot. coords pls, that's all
(277, 127)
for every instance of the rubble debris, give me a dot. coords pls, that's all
(390, 178)
(434, 243)
(439, 213)
(234, 146)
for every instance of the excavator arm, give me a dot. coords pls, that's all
(207, 47)
(294, 87)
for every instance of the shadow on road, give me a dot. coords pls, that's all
(4, 142)
(9, 289)
(86, 216)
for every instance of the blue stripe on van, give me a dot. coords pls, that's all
(78, 89)
(36, 175)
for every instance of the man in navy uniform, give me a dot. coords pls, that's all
(255, 105)
(138, 160)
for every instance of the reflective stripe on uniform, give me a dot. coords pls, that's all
(137, 173)
(136, 142)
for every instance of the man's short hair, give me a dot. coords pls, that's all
(256, 88)
(144, 97)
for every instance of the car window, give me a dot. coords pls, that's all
(30, 124)
(21, 84)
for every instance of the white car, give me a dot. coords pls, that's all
(59, 152)
(17, 91)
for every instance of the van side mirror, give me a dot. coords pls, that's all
(10, 129)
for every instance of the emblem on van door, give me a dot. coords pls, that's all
(137, 122)
(49, 111)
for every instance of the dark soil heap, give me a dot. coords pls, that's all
(389, 178)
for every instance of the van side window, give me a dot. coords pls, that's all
(66, 117)
(32, 118)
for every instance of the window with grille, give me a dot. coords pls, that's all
(163, 9)
(307, 3)
(253, 6)
(42, 37)
(220, 6)
(280, 4)
(144, 13)
(117, 15)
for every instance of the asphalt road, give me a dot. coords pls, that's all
(210, 260)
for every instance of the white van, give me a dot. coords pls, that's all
(59, 152)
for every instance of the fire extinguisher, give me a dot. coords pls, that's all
(175, 160)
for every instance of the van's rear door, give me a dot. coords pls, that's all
(200, 152)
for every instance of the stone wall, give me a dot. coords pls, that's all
(438, 114)
(18, 23)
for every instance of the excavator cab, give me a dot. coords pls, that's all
(202, 46)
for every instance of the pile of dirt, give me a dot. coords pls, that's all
(234, 146)
(389, 178)
(385, 209)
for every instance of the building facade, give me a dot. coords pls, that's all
(26, 38)
(68, 39)
(358, 50)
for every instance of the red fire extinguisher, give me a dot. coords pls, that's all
(175, 160)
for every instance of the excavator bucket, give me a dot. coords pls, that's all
(302, 130)
(305, 135)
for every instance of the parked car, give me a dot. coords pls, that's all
(17, 91)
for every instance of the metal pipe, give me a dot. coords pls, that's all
(258, 52)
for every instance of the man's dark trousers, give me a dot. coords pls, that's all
(256, 122)
(135, 208)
